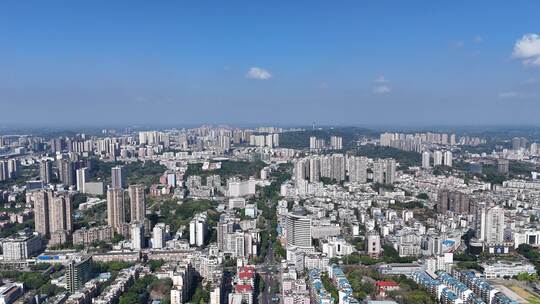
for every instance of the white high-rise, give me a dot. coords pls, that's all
(137, 236)
(314, 170)
(298, 229)
(437, 158)
(448, 159)
(336, 142)
(158, 236)
(82, 176)
(426, 159)
(492, 225)
(198, 229)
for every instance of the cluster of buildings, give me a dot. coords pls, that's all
(319, 144)
(418, 142)
(336, 205)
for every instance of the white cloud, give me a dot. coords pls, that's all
(528, 50)
(258, 73)
(382, 86)
(457, 44)
(507, 95)
(516, 95)
(381, 79)
(478, 39)
(382, 89)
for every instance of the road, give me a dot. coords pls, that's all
(268, 267)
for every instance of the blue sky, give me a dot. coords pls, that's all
(241, 62)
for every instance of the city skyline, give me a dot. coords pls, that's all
(248, 63)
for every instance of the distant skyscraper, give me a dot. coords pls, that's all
(358, 169)
(298, 229)
(41, 212)
(301, 170)
(503, 165)
(118, 177)
(492, 225)
(4, 175)
(158, 236)
(454, 201)
(384, 171)
(60, 213)
(448, 159)
(437, 158)
(336, 142)
(198, 230)
(314, 170)
(426, 159)
(115, 208)
(137, 203)
(82, 176)
(137, 236)
(534, 148)
(53, 213)
(45, 171)
(66, 171)
(13, 168)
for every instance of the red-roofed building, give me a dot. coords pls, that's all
(246, 291)
(246, 275)
(384, 286)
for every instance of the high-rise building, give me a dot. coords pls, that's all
(534, 148)
(53, 215)
(224, 228)
(384, 171)
(503, 165)
(4, 175)
(137, 236)
(448, 159)
(137, 203)
(518, 143)
(298, 229)
(314, 169)
(301, 170)
(358, 169)
(115, 208)
(492, 225)
(426, 159)
(158, 236)
(437, 158)
(41, 212)
(454, 201)
(198, 229)
(60, 213)
(336, 142)
(77, 273)
(66, 172)
(45, 171)
(316, 144)
(373, 244)
(118, 177)
(224, 142)
(82, 176)
(13, 167)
